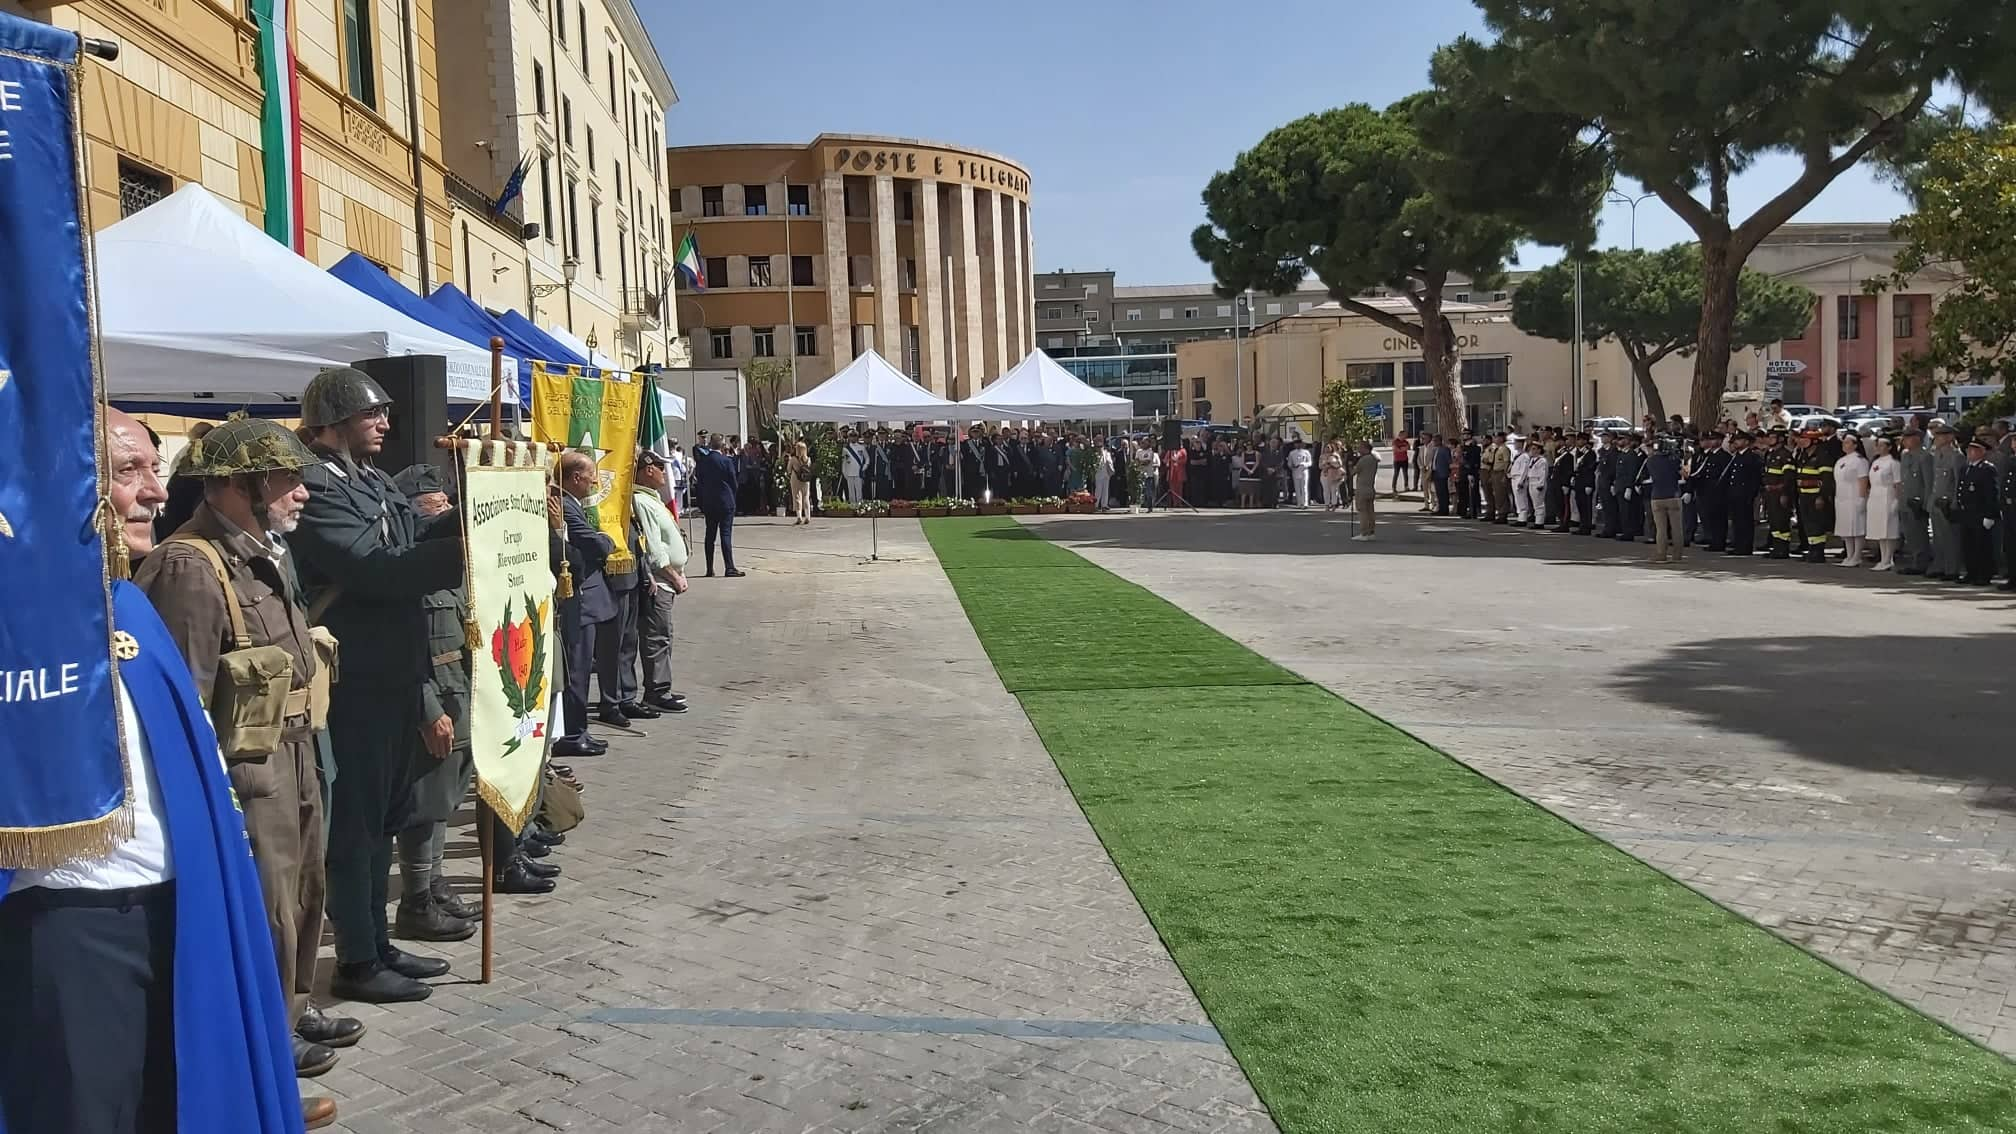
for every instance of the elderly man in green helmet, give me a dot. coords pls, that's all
(225, 590)
(368, 560)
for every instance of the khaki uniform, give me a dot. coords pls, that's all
(280, 794)
(1498, 482)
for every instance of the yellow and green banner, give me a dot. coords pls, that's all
(599, 418)
(514, 665)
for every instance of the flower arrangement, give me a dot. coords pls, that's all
(1082, 502)
(959, 506)
(840, 508)
(902, 507)
(872, 508)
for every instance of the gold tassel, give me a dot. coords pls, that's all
(566, 581)
(472, 636)
(112, 526)
(40, 848)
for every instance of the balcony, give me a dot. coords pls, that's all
(643, 310)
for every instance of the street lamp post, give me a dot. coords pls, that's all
(569, 268)
(1624, 199)
(1240, 302)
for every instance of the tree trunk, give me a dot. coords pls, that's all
(1654, 405)
(1438, 350)
(1718, 320)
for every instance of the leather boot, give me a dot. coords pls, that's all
(317, 1026)
(515, 879)
(446, 901)
(419, 919)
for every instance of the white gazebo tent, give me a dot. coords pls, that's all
(1038, 389)
(868, 389)
(194, 302)
(595, 358)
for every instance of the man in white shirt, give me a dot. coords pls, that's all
(1298, 473)
(853, 466)
(662, 552)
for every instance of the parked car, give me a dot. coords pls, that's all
(1607, 425)
(1875, 424)
(1814, 420)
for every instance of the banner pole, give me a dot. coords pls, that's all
(496, 387)
(485, 821)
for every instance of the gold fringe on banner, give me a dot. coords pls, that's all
(39, 848)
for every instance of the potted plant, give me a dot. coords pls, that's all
(1022, 506)
(902, 509)
(1081, 503)
(936, 506)
(872, 508)
(837, 509)
(994, 508)
(959, 507)
(1050, 505)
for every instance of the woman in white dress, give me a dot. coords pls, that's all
(1851, 499)
(1885, 478)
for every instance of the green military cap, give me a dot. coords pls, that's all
(339, 394)
(245, 445)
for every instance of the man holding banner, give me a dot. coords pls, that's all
(137, 981)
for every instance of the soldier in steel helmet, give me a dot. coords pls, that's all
(229, 556)
(368, 561)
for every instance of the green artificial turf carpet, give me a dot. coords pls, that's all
(1391, 943)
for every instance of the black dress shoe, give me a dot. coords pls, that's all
(666, 702)
(515, 879)
(548, 838)
(311, 1059)
(638, 711)
(613, 717)
(329, 1031)
(533, 848)
(446, 901)
(575, 747)
(537, 869)
(734, 574)
(411, 966)
(419, 919)
(373, 983)
(597, 746)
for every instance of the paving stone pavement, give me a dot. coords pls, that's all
(847, 892)
(1825, 751)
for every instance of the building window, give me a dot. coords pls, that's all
(1414, 373)
(546, 197)
(1053, 312)
(710, 201)
(538, 88)
(717, 271)
(589, 132)
(798, 200)
(721, 343)
(595, 234)
(801, 271)
(573, 217)
(1303, 306)
(1189, 312)
(1461, 297)
(860, 271)
(764, 342)
(1369, 375)
(911, 351)
(581, 23)
(1499, 296)
(1224, 311)
(1166, 313)
(861, 336)
(567, 121)
(140, 187)
(1902, 322)
(1091, 316)
(615, 93)
(755, 201)
(1851, 317)
(1052, 285)
(1056, 342)
(1273, 309)
(1091, 289)
(1486, 371)
(909, 282)
(358, 40)
(805, 341)
(618, 167)
(759, 271)
(1133, 314)
(905, 206)
(1196, 389)
(1849, 388)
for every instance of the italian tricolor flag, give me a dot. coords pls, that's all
(280, 122)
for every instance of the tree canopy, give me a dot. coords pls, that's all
(1336, 195)
(1966, 219)
(1650, 302)
(1683, 95)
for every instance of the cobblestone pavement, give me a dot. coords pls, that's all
(1827, 751)
(847, 892)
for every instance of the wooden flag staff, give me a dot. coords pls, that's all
(485, 818)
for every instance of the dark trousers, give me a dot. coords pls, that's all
(375, 733)
(1441, 494)
(1585, 506)
(1714, 520)
(616, 651)
(654, 619)
(1977, 550)
(87, 985)
(722, 526)
(1740, 512)
(1471, 502)
(577, 641)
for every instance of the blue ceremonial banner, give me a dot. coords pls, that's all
(63, 782)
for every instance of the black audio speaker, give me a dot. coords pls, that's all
(418, 387)
(1172, 434)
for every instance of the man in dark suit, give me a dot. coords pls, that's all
(588, 549)
(714, 487)
(972, 459)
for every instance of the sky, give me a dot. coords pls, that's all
(1121, 110)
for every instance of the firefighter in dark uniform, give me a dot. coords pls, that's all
(428, 908)
(367, 561)
(1740, 486)
(2009, 525)
(1781, 490)
(1816, 495)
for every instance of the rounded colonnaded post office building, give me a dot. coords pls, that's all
(813, 254)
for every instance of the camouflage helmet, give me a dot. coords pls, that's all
(339, 394)
(245, 445)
